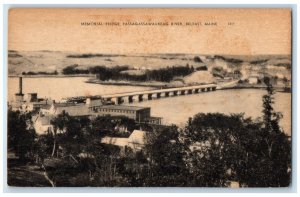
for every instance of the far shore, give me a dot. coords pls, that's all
(52, 76)
(168, 85)
(152, 84)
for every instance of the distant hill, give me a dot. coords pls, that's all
(199, 77)
(50, 61)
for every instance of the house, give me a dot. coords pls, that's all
(42, 124)
(72, 109)
(253, 80)
(135, 141)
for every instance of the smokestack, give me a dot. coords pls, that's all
(20, 85)
(19, 96)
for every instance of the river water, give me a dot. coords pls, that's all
(173, 109)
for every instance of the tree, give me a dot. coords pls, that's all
(20, 136)
(165, 153)
(214, 148)
(275, 148)
(234, 148)
(75, 136)
(197, 59)
(59, 124)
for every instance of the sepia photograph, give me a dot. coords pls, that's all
(149, 97)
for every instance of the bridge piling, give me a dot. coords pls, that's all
(140, 98)
(158, 95)
(119, 100)
(130, 99)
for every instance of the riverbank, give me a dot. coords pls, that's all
(156, 84)
(52, 76)
(152, 84)
(256, 86)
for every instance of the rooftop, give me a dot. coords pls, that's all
(73, 110)
(117, 141)
(63, 104)
(137, 137)
(45, 120)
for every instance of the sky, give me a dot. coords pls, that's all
(235, 31)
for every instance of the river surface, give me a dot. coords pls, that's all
(175, 110)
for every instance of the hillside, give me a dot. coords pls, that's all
(209, 68)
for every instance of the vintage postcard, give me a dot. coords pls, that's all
(149, 97)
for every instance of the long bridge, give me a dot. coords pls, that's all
(157, 94)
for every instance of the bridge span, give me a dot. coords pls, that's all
(157, 94)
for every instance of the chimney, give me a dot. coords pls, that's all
(19, 96)
(20, 85)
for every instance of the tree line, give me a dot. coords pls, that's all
(40, 73)
(212, 150)
(115, 73)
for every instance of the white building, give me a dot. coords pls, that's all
(135, 141)
(253, 80)
(42, 124)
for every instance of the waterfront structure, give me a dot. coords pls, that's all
(92, 109)
(139, 114)
(31, 103)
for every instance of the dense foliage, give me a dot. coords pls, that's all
(20, 137)
(115, 73)
(73, 70)
(40, 73)
(213, 150)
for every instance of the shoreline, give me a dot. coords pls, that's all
(152, 84)
(166, 85)
(49, 76)
(276, 88)
(124, 83)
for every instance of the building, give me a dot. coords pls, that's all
(136, 141)
(30, 103)
(42, 124)
(139, 114)
(72, 109)
(94, 108)
(253, 80)
(42, 121)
